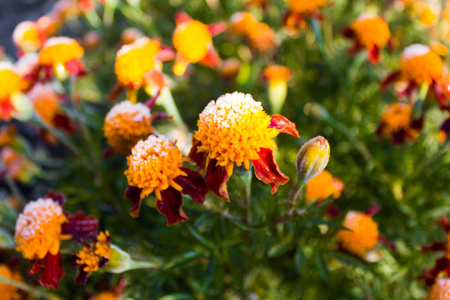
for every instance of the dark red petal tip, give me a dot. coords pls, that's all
(81, 227)
(374, 55)
(373, 209)
(216, 178)
(182, 17)
(58, 197)
(284, 125)
(211, 59)
(267, 170)
(52, 270)
(193, 185)
(134, 195)
(170, 206)
(196, 156)
(82, 276)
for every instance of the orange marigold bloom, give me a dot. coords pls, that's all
(130, 35)
(361, 236)
(8, 134)
(323, 186)
(302, 6)
(153, 165)
(234, 129)
(242, 23)
(398, 124)
(262, 37)
(126, 124)
(10, 84)
(277, 77)
(17, 166)
(106, 296)
(27, 36)
(440, 290)
(420, 64)
(276, 73)
(371, 32)
(9, 292)
(38, 229)
(134, 60)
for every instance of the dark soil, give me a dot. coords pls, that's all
(13, 12)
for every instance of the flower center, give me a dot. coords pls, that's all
(38, 229)
(192, 40)
(134, 60)
(440, 290)
(92, 256)
(397, 117)
(153, 165)
(126, 124)
(233, 129)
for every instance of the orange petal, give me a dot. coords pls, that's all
(211, 59)
(284, 125)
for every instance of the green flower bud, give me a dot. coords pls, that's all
(312, 158)
(120, 261)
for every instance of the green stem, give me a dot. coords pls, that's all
(294, 195)
(167, 101)
(321, 45)
(59, 135)
(15, 189)
(34, 292)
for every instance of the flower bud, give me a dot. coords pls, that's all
(312, 158)
(120, 261)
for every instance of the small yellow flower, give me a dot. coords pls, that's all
(440, 290)
(27, 37)
(90, 257)
(126, 124)
(192, 40)
(134, 60)
(38, 229)
(10, 81)
(9, 292)
(106, 296)
(362, 235)
(153, 165)
(420, 64)
(59, 51)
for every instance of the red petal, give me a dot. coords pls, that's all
(355, 48)
(182, 17)
(374, 55)
(284, 125)
(57, 197)
(153, 99)
(217, 28)
(333, 210)
(52, 270)
(63, 121)
(165, 54)
(387, 243)
(193, 185)
(170, 206)
(211, 59)
(390, 79)
(6, 109)
(81, 227)
(444, 223)
(373, 209)
(216, 178)
(348, 32)
(266, 169)
(114, 94)
(197, 157)
(435, 247)
(75, 67)
(441, 265)
(82, 276)
(134, 195)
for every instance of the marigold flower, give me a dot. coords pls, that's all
(323, 186)
(361, 236)
(8, 134)
(130, 35)
(242, 23)
(277, 77)
(27, 37)
(299, 11)
(155, 166)
(230, 68)
(420, 65)
(234, 129)
(38, 232)
(193, 42)
(262, 37)
(398, 124)
(63, 55)
(28, 68)
(10, 84)
(371, 32)
(93, 256)
(439, 48)
(126, 124)
(9, 292)
(440, 290)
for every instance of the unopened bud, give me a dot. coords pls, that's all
(120, 261)
(312, 158)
